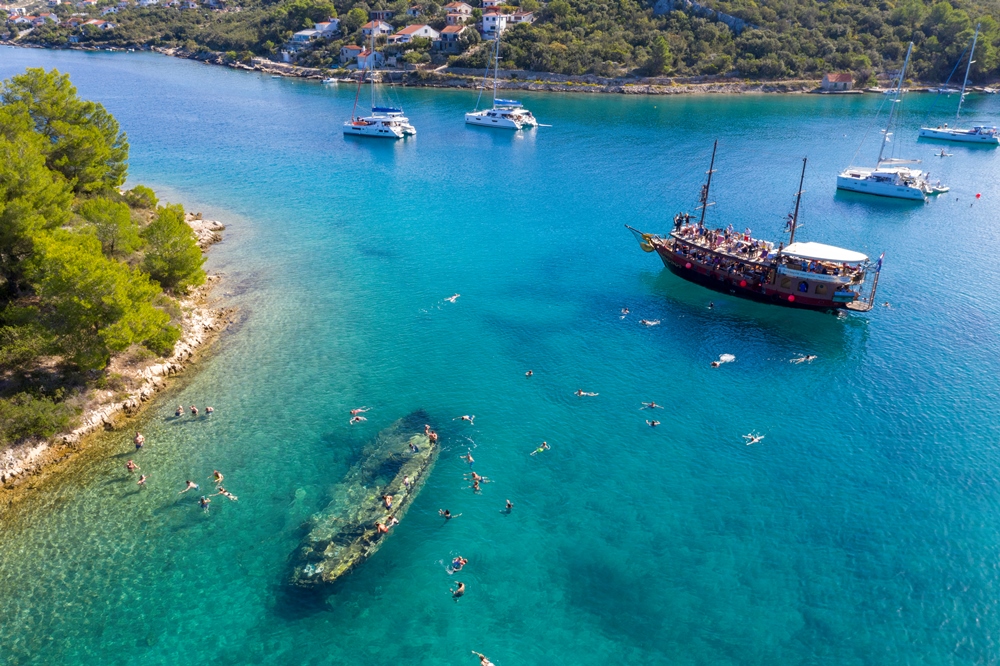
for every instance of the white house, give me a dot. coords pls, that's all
(448, 41)
(494, 23)
(55, 3)
(189, 4)
(369, 60)
(305, 36)
(458, 12)
(349, 53)
(109, 10)
(415, 11)
(490, 4)
(146, 3)
(522, 17)
(376, 28)
(406, 35)
(328, 27)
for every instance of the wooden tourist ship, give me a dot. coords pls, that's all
(802, 275)
(347, 531)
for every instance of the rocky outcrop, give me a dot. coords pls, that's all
(345, 533)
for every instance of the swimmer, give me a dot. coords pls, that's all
(475, 485)
(711, 305)
(226, 493)
(204, 502)
(179, 411)
(432, 437)
(652, 424)
(458, 591)
(581, 393)
(382, 529)
(210, 410)
(887, 305)
(466, 417)
(190, 485)
(715, 364)
(724, 358)
(357, 419)
(529, 373)
(752, 438)
(453, 298)
(139, 440)
(413, 447)
(142, 481)
(427, 429)
(543, 447)
(448, 515)
(393, 520)
(651, 405)
(194, 411)
(131, 467)
(649, 322)
(624, 313)
(468, 457)
(809, 358)
(509, 506)
(388, 501)
(483, 661)
(406, 482)
(362, 410)
(458, 563)
(217, 477)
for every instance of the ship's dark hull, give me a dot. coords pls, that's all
(726, 286)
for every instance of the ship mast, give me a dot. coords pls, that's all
(798, 200)
(892, 109)
(972, 52)
(708, 184)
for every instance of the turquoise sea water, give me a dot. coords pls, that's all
(862, 530)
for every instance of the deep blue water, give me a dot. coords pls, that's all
(862, 530)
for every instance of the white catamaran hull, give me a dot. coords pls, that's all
(375, 130)
(498, 119)
(881, 189)
(965, 136)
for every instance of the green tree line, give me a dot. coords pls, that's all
(785, 38)
(86, 270)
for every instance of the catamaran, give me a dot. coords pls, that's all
(506, 113)
(978, 134)
(385, 122)
(807, 275)
(891, 177)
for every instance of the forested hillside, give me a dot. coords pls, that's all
(86, 271)
(786, 38)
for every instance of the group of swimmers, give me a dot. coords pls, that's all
(179, 412)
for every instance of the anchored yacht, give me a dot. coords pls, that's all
(385, 122)
(979, 134)
(506, 113)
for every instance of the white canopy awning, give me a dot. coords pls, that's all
(821, 252)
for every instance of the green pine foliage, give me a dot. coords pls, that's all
(86, 271)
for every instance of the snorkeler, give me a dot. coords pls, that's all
(509, 506)
(581, 393)
(190, 485)
(652, 424)
(651, 405)
(809, 358)
(453, 298)
(544, 446)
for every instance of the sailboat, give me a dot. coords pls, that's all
(385, 122)
(891, 177)
(506, 113)
(978, 134)
(808, 275)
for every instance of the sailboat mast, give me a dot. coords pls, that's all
(708, 184)
(372, 55)
(496, 67)
(892, 109)
(972, 52)
(798, 200)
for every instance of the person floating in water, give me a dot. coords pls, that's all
(466, 417)
(194, 411)
(210, 410)
(453, 298)
(624, 313)
(652, 424)
(180, 411)
(582, 393)
(448, 515)
(711, 305)
(468, 457)
(809, 358)
(752, 438)
(191, 485)
(509, 506)
(483, 661)
(413, 447)
(357, 419)
(362, 410)
(649, 322)
(142, 481)
(131, 467)
(204, 502)
(529, 373)
(217, 477)
(651, 405)
(458, 563)
(139, 440)
(458, 591)
(544, 446)
(724, 358)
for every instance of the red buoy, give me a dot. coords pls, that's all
(743, 283)
(791, 298)
(688, 265)
(978, 195)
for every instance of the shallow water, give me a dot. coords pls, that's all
(862, 530)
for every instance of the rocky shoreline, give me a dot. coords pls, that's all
(109, 410)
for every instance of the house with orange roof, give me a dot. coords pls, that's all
(458, 12)
(407, 34)
(448, 42)
(376, 28)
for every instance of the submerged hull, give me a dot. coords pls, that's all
(961, 136)
(344, 534)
